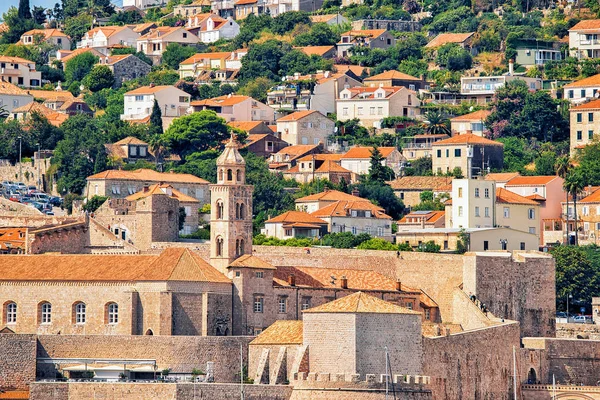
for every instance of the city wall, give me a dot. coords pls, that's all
(474, 364)
(180, 353)
(17, 361)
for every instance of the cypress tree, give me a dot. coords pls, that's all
(156, 119)
(24, 12)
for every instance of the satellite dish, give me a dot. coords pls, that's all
(471, 108)
(335, 129)
(597, 95)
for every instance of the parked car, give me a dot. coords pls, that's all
(561, 314)
(56, 201)
(41, 197)
(582, 319)
(21, 186)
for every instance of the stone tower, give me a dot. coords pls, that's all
(230, 210)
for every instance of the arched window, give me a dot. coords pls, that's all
(219, 209)
(79, 313)
(238, 175)
(10, 312)
(242, 211)
(112, 313)
(221, 175)
(45, 313)
(229, 175)
(241, 251)
(237, 247)
(219, 246)
(237, 211)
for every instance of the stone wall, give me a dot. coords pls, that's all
(66, 239)
(17, 361)
(578, 331)
(461, 366)
(548, 392)
(11, 218)
(146, 391)
(180, 353)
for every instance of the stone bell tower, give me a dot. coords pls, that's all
(230, 209)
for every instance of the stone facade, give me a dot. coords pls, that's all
(126, 68)
(17, 361)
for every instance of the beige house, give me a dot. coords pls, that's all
(422, 219)
(155, 42)
(464, 40)
(584, 124)
(517, 212)
(12, 96)
(588, 216)
(138, 103)
(315, 202)
(356, 217)
(119, 184)
(234, 107)
(371, 38)
(243, 8)
(358, 159)
(501, 178)
(305, 127)
(419, 146)
(471, 153)
(196, 7)
(470, 123)
(202, 62)
(409, 188)
(20, 72)
(372, 104)
(294, 224)
(472, 204)
(210, 27)
(54, 37)
(104, 37)
(320, 166)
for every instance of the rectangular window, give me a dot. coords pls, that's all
(409, 305)
(360, 111)
(476, 192)
(427, 313)
(439, 153)
(532, 229)
(371, 110)
(571, 94)
(447, 152)
(305, 303)
(260, 274)
(590, 135)
(288, 232)
(282, 305)
(460, 192)
(139, 98)
(379, 110)
(531, 213)
(486, 193)
(259, 303)
(460, 211)
(590, 117)
(579, 135)
(506, 212)
(345, 111)
(456, 152)
(477, 211)
(486, 212)
(522, 245)
(579, 118)
(582, 93)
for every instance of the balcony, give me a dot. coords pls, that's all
(10, 71)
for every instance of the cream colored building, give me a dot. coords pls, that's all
(584, 124)
(295, 224)
(409, 188)
(472, 204)
(517, 212)
(470, 123)
(474, 155)
(372, 104)
(103, 37)
(20, 72)
(12, 96)
(236, 108)
(202, 62)
(305, 127)
(54, 37)
(588, 215)
(154, 43)
(356, 217)
(583, 39)
(358, 159)
(138, 103)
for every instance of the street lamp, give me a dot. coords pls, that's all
(570, 296)
(20, 165)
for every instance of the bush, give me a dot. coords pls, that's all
(377, 244)
(429, 247)
(94, 203)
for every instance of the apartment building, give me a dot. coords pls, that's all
(305, 127)
(372, 104)
(138, 103)
(210, 27)
(104, 37)
(371, 38)
(585, 120)
(481, 89)
(155, 42)
(473, 154)
(396, 78)
(19, 71)
(202, 62)
(236, 108)
(583, 39)
(470, 123)
(582, 90)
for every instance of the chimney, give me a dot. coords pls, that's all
(152, 84)
(511, 67)
(398, 285)
(344, 282)
(146, 188)
(292, 280)
(355, 192)
(326, 189)
(423, 222)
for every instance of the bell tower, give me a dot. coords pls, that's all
(230, 209)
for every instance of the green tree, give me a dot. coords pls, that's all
(285, 22)
(420, 167)
(574, 184)
(263, 60)
(545, 163)
(319, 35)
(379, 172)
(576, 274)
(563, 166)
(176, 53)
(100, 77)
(79, 66)
(429, 247)
(23, 11)
(463, 242)
(94, 203)
(437, 123)
(589, 162)
(377, 244)
(156, 125)
(383, 196)
(257, 88)
(76, 26)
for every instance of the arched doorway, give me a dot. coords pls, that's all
(149, 332)
(532, 376)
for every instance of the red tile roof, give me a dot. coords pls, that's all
(392, 74)
(501, 176)
(162, 189)
(586, 25)
(530, 180)
(290, 217)
(343, 208)
(508, 197)
(329, 195)
(296, 116)
(467, 138)
(365, 152)
(360, 302)
(250, 261)
(147, 175)
(430, 218)
(474, 116)
(445, 38)
(592, 105)
(435, 183)
(281, 332)
(316, 50)
(589, 81)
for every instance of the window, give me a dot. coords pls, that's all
(506, 212)
(360, 111)
(477, 211)
(409, 305)
(531, 213)
(582, 92)
(447, 152)
(354, 230)
(579, 118)
(10, 313)
(219, 246)
(345, 111)
(476, 192)
(590, 135)
(288, 232)
(460, 211)
(259, 274)
(185, 35)
(80, 313)
(531, 230)
(456, 152)
(427, 313)
(460, 192)
(579, 135)
(379, 110)
(139, 98)
(219, 209)
(590, 117)
(112, 310)
(259, 302)
(45, 313)
(486, 245)
(486, 193)
(439, 153)
(282, 305)
(305, 303)
(486, 212)
(371, 110)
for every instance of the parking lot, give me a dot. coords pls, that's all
(32, 197)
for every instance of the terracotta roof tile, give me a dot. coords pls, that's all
(329, 195)
(592, 198)
(322, 18)
(108, 31)
(506, 196)
(47, 33)
(15, 60)
(434, 183)
(355, 69)
(148, 89)
(365, 32)
(9, 88)
(365, 152)
(250, 261)
(296, 116)
(34, 106)
(281, 332)
(290, 217)
(51, 95)
(244, 125)
(173, 264)
(360, 302)
(536, 197)
(297, 150)
(445, 38)
(342, 209)
(586, 24)
(592, 105)
(530, 180)
(501, 176)
(593, 80)
(321, 157)
(430, 218)
(131, 140)
(316, 50)
(147, 175)
(392, 74)
(162, 189)
(474, 116)
(245, 2)
(82, 50)
(467, 138)
(331, 166)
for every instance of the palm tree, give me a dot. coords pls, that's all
(436, 123)
(574, 185)
(3, 112)
(157, 144)
(563, 166)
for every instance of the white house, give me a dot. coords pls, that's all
(305, 127)
(583, 39)
(155, 42)
(236, 108)
(202, 62)
(210, 27)
(18, 71)
(143, 4)
(294, 224)
(12, 96)
(372, 104)
(358, 159)
(103, 37)
(138, 103)
(582, 90)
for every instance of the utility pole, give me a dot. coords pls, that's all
(38, 167)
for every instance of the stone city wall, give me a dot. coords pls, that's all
(146, 391)
(17, 361)
(180, 353)
(549, 392)
(578, 331)
(461, 367)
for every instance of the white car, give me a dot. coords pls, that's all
(582, 319)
